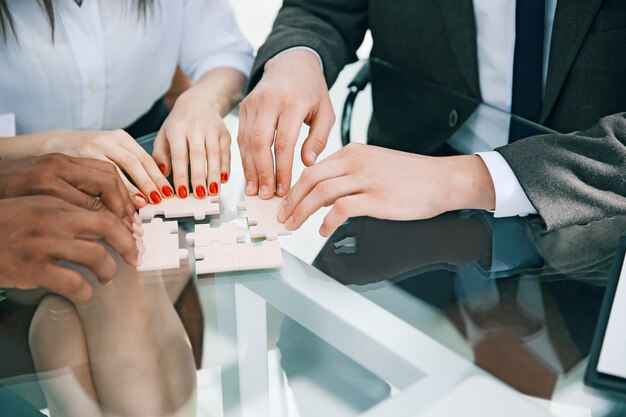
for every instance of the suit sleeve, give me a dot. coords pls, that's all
(575, 178)
(333, 28)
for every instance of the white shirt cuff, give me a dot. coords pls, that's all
(511, 200)
(307, 49)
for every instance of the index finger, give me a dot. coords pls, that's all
(261, 139)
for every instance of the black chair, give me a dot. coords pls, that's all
(358, 84)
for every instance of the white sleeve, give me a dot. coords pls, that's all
(211, 39)
(306, 48)
(511, 200)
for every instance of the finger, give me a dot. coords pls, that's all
(89, 254)
(323, 194)
(343, 209)
(104, 183)
(287, 134)
(308, 180)
(198, 164)
(161, 152)
(213, 164)
(180, 162)
(138, 199)
(316, 141)
(149, 166)
(131, 164)
(67, 283)
(225, 156)
(261, 140)
(104, 226)
(248, 172)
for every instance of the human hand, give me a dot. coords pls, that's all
(120, 148)
(194, 132)
(88, 183)
(365, 180)
(37, 232)
(292, 91)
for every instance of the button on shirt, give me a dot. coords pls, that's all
(107, 64)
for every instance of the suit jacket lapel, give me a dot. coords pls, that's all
(571, 24)
(461, 27)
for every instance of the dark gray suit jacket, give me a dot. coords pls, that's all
(570, 178)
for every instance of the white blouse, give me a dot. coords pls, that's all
(107, 65)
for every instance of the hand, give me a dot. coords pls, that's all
(292, 91)
(194, 131)
(364, 180)
(37, 232)
(87, 183)
(120, 148)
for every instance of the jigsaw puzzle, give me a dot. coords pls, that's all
(238, 257)
(175, 207)
(261, 216)
(160, 239)
(225, 234)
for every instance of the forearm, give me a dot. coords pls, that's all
(35, 144)
(222, 88)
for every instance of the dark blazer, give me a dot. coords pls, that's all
(575, 178)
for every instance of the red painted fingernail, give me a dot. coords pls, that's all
(224, 177)
(155, 197)
(213, 188)
(143, 197)
(182, 191)
(162, 168)
(167, 191)
(200, 191)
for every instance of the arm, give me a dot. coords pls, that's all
(291, 89)
(217, 58)
(575, 178)
(334, 29)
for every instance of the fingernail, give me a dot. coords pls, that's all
(224, 177)
(139, 260)
(249, 186)
(137, 219)
(280, 189)
(213, 188)
(281, 211)
(182, 191)
(312, 156)
(200, 191)
(140, 248)
(289, 223)
(138, 230)
(155, 197)
(264, 192)
(323, 231)
(167, 191)
(141, 198)
(162, 168)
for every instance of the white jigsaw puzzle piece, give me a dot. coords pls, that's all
(176, 207)
(160, 240)
(225, 234)
(238, 257)
(261, 216)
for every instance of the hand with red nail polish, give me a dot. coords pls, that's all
(182, 191)
(87, 183)
(38, 231)
(194, 138)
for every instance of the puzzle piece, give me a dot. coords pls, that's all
(225, 234)
(238, 257)
(176, 207)
(160, 239)
(261, 216)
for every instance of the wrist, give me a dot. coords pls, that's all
(197, 96)
(470, 183)
(303, 57)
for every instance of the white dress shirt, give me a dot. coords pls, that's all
(107, 65)
(495, 40)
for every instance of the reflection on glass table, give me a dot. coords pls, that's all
(463, 314)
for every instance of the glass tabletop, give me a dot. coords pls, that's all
(463, 314)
